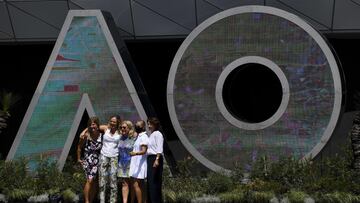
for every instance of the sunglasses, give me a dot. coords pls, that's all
(123, 127)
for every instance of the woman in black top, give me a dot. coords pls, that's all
(154, 161)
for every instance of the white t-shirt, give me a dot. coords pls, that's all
(156, 141)
(110, 144)
(138, 165)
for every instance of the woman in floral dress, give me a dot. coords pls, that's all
(91, 138)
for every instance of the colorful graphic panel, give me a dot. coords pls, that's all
(85, 71)
(311, 111)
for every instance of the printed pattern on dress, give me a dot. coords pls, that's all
(91, 157)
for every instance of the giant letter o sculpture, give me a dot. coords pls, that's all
(244, 42)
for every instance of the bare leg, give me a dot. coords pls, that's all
(137, 184)
(125, 189)
(87, 189)
(93, 189)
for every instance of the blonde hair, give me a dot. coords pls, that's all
(130, 126)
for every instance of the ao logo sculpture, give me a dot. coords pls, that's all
(87, 71)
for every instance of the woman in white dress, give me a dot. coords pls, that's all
(138, 165)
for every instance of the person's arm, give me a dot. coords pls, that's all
(80, 145)
(159, 139)
(142, 151)
(143, 146)
(103, 128)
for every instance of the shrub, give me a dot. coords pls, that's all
(14, 175)
(73, 176)
(332, 174)
(186, 196)
(261, 168)
(237, 174)
(184, 184)
(217, 183)
(263, 186)
(297, 196)
(39, 198)
(232, 197)
(326, 176)
(184, 167)
(337, 197)
(47, 176)
(20, 195)
(259, 197)
(288, 172)
(69, 196)
(182, 181)
(18, 183)
(170, 196)
(206, 199)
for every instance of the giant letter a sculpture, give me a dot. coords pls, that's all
(85, 72)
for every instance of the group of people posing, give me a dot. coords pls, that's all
(122, 153)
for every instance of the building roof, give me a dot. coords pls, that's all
(41, 20)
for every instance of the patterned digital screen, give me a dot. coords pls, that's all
(297, 49)
(83, 62)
